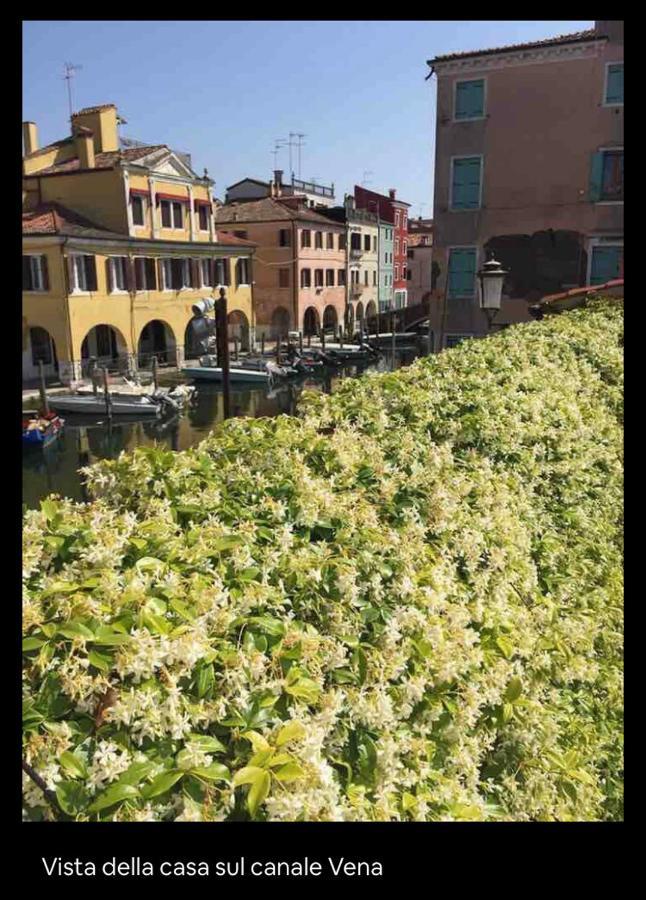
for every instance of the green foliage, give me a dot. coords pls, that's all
(404, 604)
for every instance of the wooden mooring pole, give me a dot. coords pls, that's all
(106, 395)
(43, 388)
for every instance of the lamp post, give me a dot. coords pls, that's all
(490, 280)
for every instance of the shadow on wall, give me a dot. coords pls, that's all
(542, 263)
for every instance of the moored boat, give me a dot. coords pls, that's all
(39, 431)
(122, 405)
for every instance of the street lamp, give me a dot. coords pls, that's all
(490, 278)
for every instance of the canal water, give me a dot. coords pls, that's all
(55, 469)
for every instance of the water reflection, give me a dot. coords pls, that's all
(85, 440)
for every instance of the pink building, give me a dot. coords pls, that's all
(300, 271)
(529, 166)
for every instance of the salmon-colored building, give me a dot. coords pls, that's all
(529, 166)
(300, 266)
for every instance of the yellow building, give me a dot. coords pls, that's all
(118, 245)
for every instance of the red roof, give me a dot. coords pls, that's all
(101, 160)
(225, 237)
(580, 291)
(588, 35)
(52, 218)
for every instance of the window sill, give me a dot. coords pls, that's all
(465, 209)
(608, 105)
(609, 202)
(34, 291)
(470, 119)
(122, 293)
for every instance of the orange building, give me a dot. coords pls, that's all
(300, 264)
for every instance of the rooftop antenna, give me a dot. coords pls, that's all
(421, 209)
(300, 136)
(278, 146)
(366, 177)
(70, 69)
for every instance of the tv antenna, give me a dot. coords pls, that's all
(421, 209)
(278, 146)
(366, 177)
(70, 69)
(298, 144)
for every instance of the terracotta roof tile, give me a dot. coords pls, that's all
(52, 218)
(93, 109)
(225, 237)
(559, 39)
(101, 160)
(266, 210)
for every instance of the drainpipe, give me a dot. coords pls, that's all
(68, 320)
(296, 284)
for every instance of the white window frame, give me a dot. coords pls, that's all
(39, 269)
(246, 260)
(111, 261)
(199, 226)
(604, 102)
(218, 268)
(475, 247)
(599, 241)
(75, 287)
(609, 202)
(396, 218)
(479, 156)
(171, 227)
(455, 100)
(205, 262)
(141, 260)
(167, 261)
(143, 210)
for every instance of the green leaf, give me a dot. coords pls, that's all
(73, 764)
(258, 792)
(32, 643)
(505, 646)
(207, 743)
(258, 742)
(156, 624)
(292, 731)
(289, 772)
(76, 629)
(182, 609)
(205, 680)
(304, 689)
(161, 783)
(409, 801)
(149, 564)
(247, 775)
(101, 661)
(214, 772)
(72, 797)
(514, 690)
(116, 793)
(227, 542)
(110, 637)
(137, 772)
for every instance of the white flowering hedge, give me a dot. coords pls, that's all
(404, 605)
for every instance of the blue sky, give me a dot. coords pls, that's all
(225, 91)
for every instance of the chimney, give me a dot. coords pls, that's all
(30, 137)
(277, 183)
(391, 193)
(102, 122)
(84, 143)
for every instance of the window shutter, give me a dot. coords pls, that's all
(45, 272)
(212, 272)
(69, 269)
(195, 273)
(90, 272)
(615, 87)
(160, 275)
(606, 264)
(108, 275)
(596, 177)
(466, 183)
(26, 274)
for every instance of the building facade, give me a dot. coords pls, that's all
(529, 167)
(419, 271)
(300, 270)
(394, 213)
(386, 272)
(117, 247)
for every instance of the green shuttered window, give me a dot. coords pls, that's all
(462, 272)
(469, 99)
(607, 175)
(607, 264)
(465, 187)
(615, 83)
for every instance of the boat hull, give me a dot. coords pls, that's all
(121, 406)
(214, 373)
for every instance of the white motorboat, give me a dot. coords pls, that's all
(122, 405)
(214, 373)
